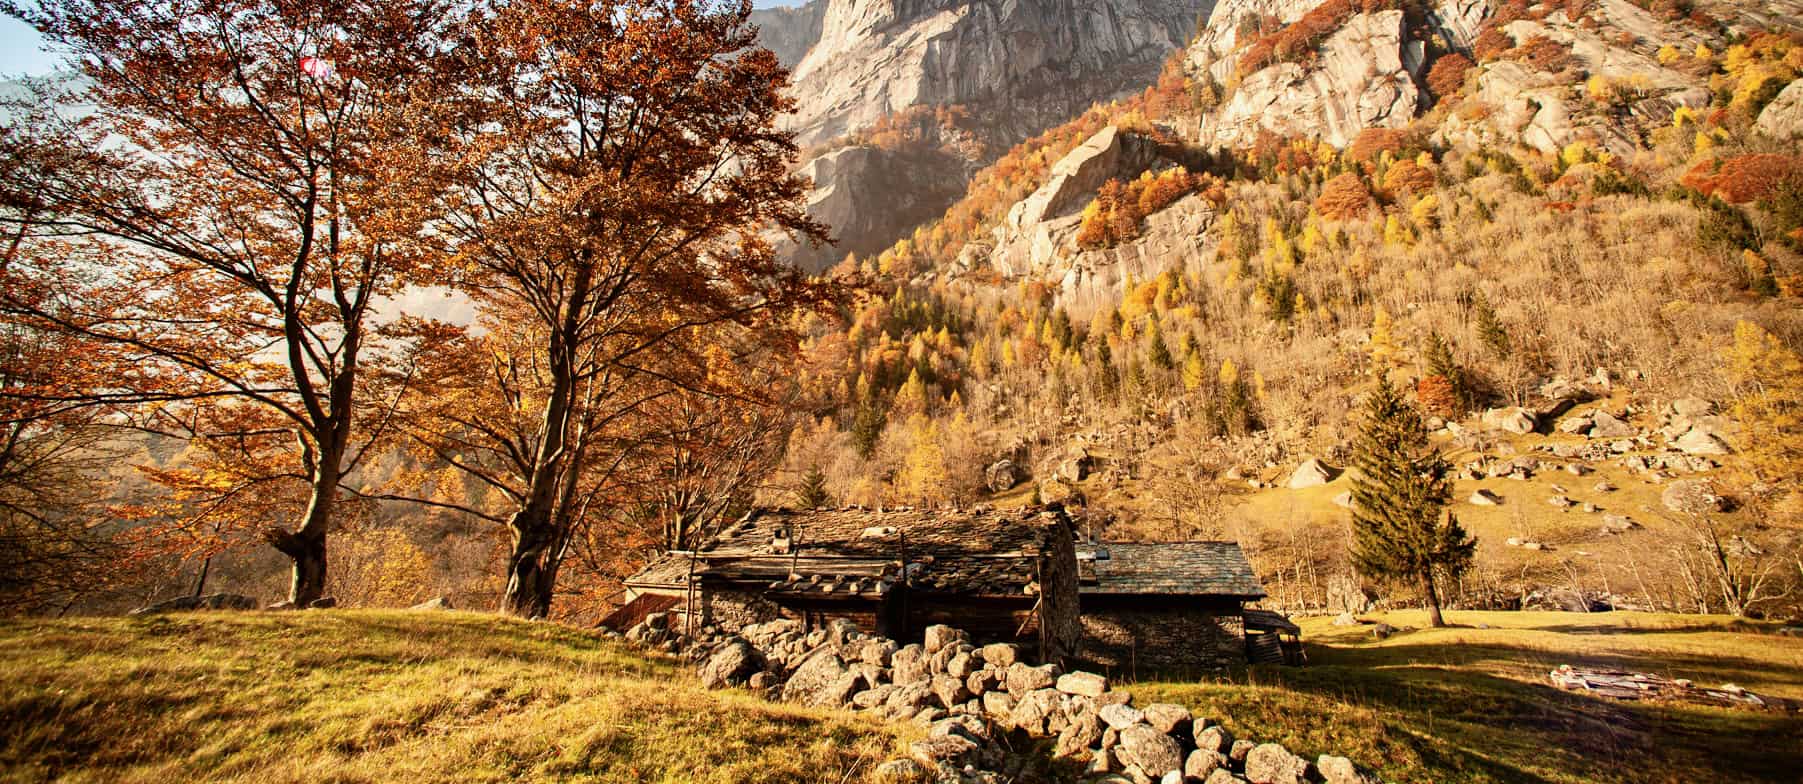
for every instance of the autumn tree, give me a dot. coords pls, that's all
(1401, 489)
(247, 188)
(1343, 198)
(619, 171)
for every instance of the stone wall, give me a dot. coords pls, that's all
(1138, 639)
(976, 701)
(732, 610)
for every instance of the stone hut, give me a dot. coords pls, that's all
(1166, 606)
(1003, 576)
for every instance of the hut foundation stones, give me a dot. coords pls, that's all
(980, 703)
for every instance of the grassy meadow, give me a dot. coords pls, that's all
(1473, 704)
(370, 696)
(355, 696)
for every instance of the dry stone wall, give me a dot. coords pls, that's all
(980, 703)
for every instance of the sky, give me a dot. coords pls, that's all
(22, 54)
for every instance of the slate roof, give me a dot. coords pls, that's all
(1170, 568)
(857, 553)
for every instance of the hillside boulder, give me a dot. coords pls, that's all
(1312, 473)
(1001, 476)
(1513, 419)
(1692, 496)
(1700, 442)
(212, 601)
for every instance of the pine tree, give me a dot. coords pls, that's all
(1157, 352)
(1489, 329)
(1441, 364)
(812, 493)
(1400, 492)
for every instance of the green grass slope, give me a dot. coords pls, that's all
(353, 696)
(1475, 705)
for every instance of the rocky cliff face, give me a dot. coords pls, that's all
(1025, 64)
(1018, 66)
(871, 196)
(1362, 77)
(790, 32)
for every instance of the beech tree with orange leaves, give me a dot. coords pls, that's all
(248, 185)
(620, 177)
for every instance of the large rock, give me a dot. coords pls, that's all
(212, 601)
(1154, 752)
(899, 771)
(1692, 496)
(1339, 770)
(1604, 425)
(814, 682)
(731, 665)
(1269, 763)
(909, 664)
(1001, 476)
(938, 636)
(1120, 717)
(1513, 419)
(1202, 763)
(1782, 119)
(1700, 442)
(871, 196)
(999, 654)
(1312, 473)
(1087, 684)
(1362, 76)
(1167, 718)
(1023, 678)
(954, 750)
(790, 32)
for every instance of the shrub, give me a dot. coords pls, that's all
(1744, 178)
(1408, 176)
(1491, 44)
(1448, 74)
(1372, 142)
(1343, 198)
(1545, 54)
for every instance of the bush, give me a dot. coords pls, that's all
(1408, 176)
(1744, 178)
(1343, 198)
(1448, 74)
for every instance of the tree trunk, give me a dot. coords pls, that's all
(306, 547)
(200, 583)
(1434, 618)
(530, 573)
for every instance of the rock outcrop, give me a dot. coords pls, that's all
(1026, 65)
(790, 32)
(870, 196)
(1362, 77)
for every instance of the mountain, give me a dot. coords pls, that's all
(1008, 69)
(1587, 214)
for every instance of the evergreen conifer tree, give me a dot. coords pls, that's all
(812, 494)
(1489, 329)
(1400, 491)
(1440, 363)
(1157, 352)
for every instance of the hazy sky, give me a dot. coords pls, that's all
(21, 51)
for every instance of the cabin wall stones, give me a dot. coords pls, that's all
(733, 610)
(1132, 638)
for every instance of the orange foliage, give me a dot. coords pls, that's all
(1297, 42)
(1114, 216)
(1448, 74)
(1343, 197)
(1437, 396)
(1545, 54)
(1408, 176)
(1373, 141)
(1744, 178)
